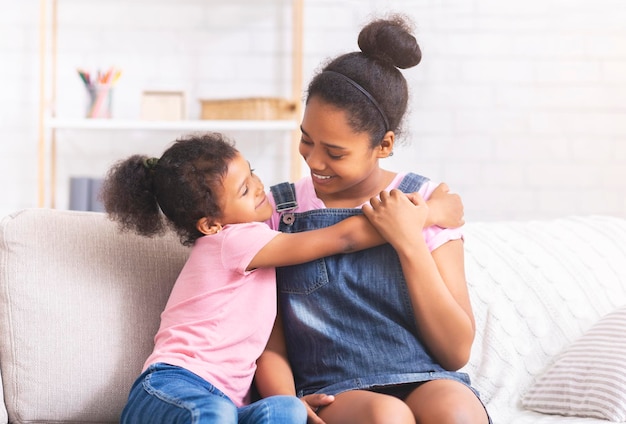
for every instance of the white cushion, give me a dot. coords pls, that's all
(537, 286)
(588, 379)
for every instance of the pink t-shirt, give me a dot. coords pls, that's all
(219, 316)
(308, 200)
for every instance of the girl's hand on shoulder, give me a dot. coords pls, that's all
(396, 216)
(445, 208)
(313, 403)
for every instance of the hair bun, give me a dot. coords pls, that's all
(391, 40)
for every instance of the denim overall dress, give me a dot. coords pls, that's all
(348, 319)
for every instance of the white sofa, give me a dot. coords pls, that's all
(80, 302)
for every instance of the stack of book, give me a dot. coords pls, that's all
(84, 194)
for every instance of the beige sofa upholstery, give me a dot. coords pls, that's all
(80, 303)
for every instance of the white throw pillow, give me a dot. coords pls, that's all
(588, 379)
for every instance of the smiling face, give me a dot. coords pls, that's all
(243, 197)
(344, 166)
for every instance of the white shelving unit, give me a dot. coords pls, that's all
(49, 124)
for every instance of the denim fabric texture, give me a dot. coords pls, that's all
(170, 394)
(348, 319)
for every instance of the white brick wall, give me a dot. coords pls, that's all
(519, 106)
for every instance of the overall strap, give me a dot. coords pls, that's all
(411, 182)
(284, 196)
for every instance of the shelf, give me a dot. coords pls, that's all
(189, 125)
(49, 125)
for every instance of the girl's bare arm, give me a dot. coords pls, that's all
(445, 209)
(351, 234)
(356, 233)
(274, 377)
(436, 282)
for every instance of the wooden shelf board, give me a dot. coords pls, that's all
(187, 125)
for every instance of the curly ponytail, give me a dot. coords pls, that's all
(128, 197)
(146, 195)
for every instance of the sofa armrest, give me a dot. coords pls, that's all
(79, 306)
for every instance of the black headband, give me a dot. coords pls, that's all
(367, 94)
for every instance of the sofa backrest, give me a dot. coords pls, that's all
(536, 286)
(79, 306)
(80, 303)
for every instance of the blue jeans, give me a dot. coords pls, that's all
(173, 395)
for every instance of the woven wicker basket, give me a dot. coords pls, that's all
(248, 108)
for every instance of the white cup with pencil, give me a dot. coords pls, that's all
(99, 90)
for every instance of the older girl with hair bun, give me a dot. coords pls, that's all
(376, 336)
(222, 306)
